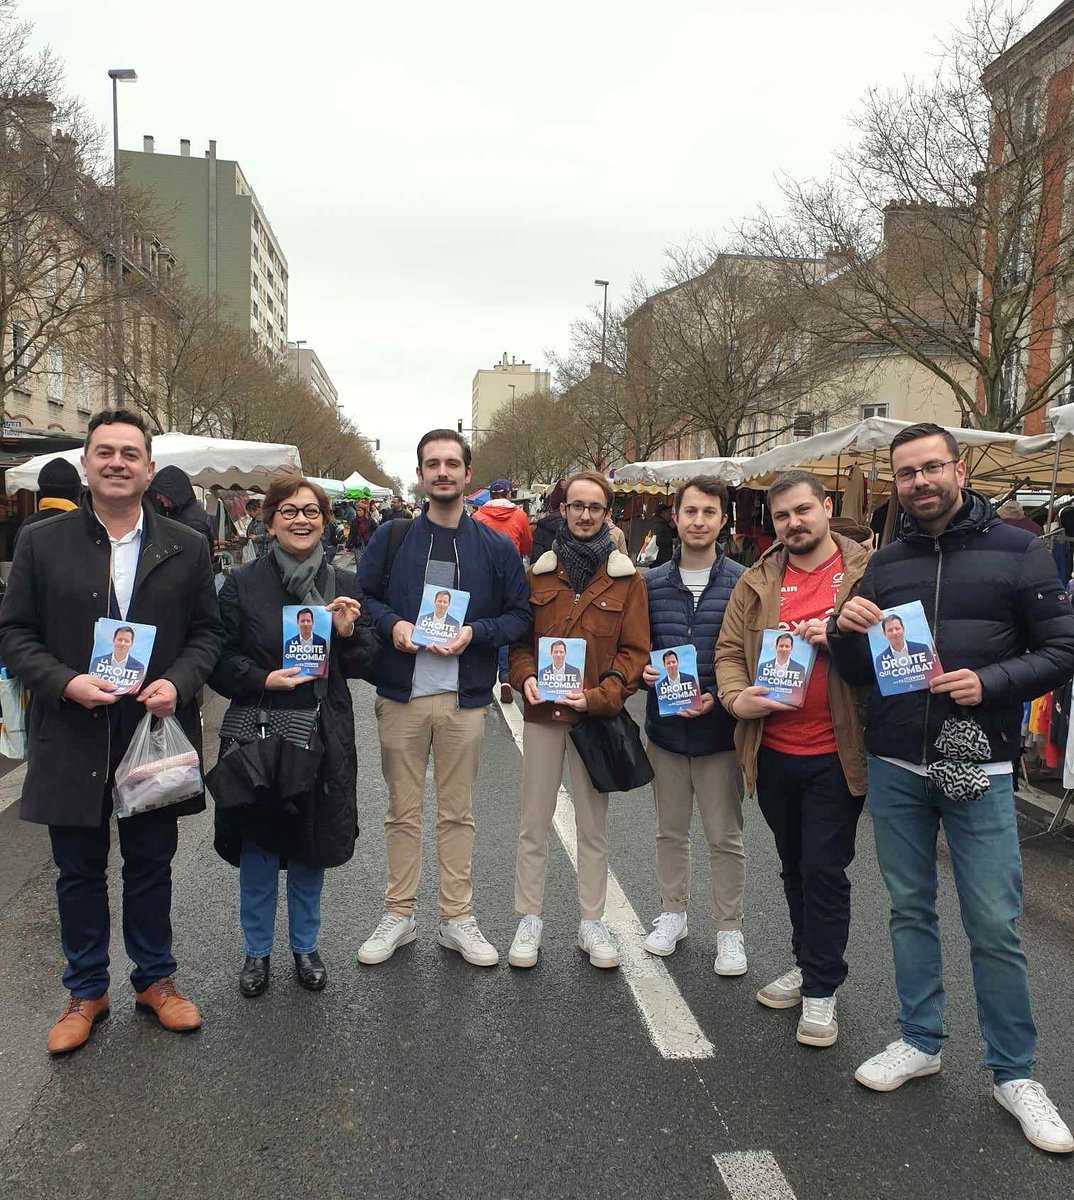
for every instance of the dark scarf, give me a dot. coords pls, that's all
(300, 576)
(582, 558)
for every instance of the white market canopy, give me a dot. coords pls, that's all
(375, 489)
(657, 476)
(208, 461)
(332, 488)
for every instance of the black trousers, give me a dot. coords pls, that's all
(809, 808)
(147, 843)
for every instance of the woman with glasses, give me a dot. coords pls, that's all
(582, 588)
(321, 833)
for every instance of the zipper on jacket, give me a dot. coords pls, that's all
(936, 638)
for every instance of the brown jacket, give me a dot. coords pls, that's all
(612, 614)
(753, 608)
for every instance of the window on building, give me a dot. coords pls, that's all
(54, 381)
(873, 410)
(803, 425)
(83, 400)
(971, 312)
(1010, 383)
(19, 346)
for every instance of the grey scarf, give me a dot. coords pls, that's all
(582, 558)
(300, 576)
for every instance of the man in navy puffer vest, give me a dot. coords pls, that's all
(693, 753)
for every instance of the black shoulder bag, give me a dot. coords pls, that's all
(611, 749)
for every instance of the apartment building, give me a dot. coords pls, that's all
(495, 386)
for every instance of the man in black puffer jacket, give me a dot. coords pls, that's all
(1004, 634)
(173, 494)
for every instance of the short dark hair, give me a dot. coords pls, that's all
(785, 637)
(446, 435)
(284, 488)
(923, 429)
(670, 654)
(891, 617)
(119, 416)
(710, 485)
(253, 502)
(442, 592)
(602, 481)
(304, 610)
(123, 629)
(559, 642)
(790, 479)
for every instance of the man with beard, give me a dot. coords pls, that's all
(435, 698)
(1004, 633)
(806, 765)
(582, 588)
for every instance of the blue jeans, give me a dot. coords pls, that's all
(259, 876)
(501, 662)
(982, 837)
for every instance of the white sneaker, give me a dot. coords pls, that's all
(730, 952)
(817, 1025)
(784, 992)
(1027, 1101)
(463, 935)
(596, 941)
(668, 930)
(527, 943)
(394, 930)
(891, 1068)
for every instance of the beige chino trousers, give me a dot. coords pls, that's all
(716, 782)
(408, 732)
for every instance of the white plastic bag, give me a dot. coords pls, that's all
(13, 701)
(160, 768)
(647, 555)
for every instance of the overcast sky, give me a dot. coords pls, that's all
(447, 180)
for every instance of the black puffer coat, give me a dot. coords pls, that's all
(251, 605)
(174, 485)
(994, 603)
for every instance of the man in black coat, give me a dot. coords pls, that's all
(1004, 633)
(115, 557)
(59, 488)
(173, 493)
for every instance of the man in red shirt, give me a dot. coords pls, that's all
(806, 765)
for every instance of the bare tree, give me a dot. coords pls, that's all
(942, 225)
(532, 439)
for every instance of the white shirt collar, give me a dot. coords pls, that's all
(127, 538)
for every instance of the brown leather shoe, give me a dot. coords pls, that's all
(73, 1029)
(171, 1008)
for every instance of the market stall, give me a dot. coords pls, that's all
(357, 481)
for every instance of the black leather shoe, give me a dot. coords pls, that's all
(311, 971)
(253, 978)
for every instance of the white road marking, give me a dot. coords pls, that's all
(753, 1175)
(668, 1020)
(11, 787)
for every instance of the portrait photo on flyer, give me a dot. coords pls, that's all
(903, 650)
(307, 637)
(784, 666)
(441, 615)
(560, 666)
(121, 653)
(677, 689)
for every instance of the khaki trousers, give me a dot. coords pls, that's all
(407, 734)
(543, 748)
(716, 781)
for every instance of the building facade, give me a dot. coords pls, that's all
(495, 386)
(220, 234)
(309, 368)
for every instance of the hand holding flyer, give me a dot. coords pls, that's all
(904, 653)
(121, 653)
(307, 638)
(677, 689)
(784, 666)
(441, 616)
(560, 666)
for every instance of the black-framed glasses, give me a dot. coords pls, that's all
(290, 511)
(906, 476)
(576, 507)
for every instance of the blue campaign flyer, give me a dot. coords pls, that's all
(903, 650)
(121, 653)
(784, 666)
(307, 639)
(560, 666)
(677, 689)
(441, 616)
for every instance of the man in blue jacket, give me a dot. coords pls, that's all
(692, 752)
(436, 698)
(1004, 633)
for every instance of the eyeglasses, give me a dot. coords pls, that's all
(576, 508)
(931, 470)
(289, 512)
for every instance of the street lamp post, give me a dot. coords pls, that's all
(604, 322)
(512, 387)
(118, 75)
(299, 343)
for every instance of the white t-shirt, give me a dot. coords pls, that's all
(696, 581)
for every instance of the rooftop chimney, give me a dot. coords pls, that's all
(147, 144)
(184, 147)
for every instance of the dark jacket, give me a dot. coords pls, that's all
(57, 589)
(664, 534)
(498, 613)
(674, 621)
(251, 605)
(544, 534)
(393, 514)
(995, 606)
(58, 480)
(174, 485)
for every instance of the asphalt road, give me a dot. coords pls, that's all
(426, 1077)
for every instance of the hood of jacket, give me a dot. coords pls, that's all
(56, 504)
(174, 485)
(975, 516)
(499, 510)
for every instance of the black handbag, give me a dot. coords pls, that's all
(242, 723)
(276, 769)
(612, 750)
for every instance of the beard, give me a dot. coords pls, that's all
(803, 547)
